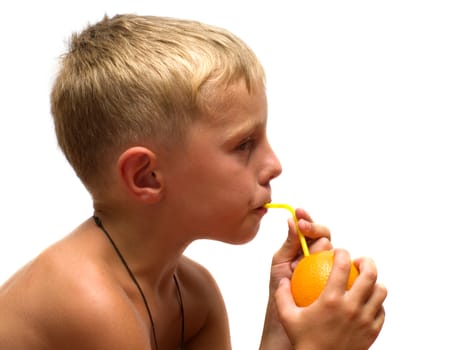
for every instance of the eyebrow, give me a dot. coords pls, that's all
(247, 127)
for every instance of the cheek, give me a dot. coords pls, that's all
(226, 186)
(209, 189)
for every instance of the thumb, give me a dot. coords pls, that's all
(290, 248)
(284, 299)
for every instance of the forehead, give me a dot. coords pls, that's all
(231, 117)
(235, 104)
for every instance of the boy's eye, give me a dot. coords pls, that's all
(247, 144)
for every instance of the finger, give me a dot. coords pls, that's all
(379, 321)
(337, 281)
(303, 214)
(315, 246)
(290, 248)
(313, 230)
(308, 227)
(364, 285)
(283, 299)
(319, 244)
(374, 305)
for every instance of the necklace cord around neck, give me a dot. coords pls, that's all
(99, 223)
(134, 279)
(182, 313)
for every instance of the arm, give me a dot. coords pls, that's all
(205, 310)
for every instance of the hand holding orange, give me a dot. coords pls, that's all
(311, 274)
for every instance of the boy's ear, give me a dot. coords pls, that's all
(139, 172)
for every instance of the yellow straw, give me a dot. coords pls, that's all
(302, 239)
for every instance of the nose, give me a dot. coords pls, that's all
(271, 166)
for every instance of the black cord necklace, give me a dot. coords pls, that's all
(134, 279)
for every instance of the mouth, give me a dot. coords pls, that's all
(261, 211)
(265, 203)
(263, 208)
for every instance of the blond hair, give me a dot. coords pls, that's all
(131, 79)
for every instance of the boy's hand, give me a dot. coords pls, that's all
(286, 258)
(283, 263)
(338, 319)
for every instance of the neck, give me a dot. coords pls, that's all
(100, 225)
(150, 246)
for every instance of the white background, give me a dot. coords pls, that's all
(369, 106)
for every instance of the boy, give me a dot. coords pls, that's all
(164, 121)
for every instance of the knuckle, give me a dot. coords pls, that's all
(331, 301)
(342, 260)
(369, 270)
(353, 312)
(382, 291)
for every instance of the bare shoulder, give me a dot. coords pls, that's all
(196, 276)
(205, 311)
(63, 299)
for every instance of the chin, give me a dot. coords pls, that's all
(239, 235)
(241, 241)
(244, 236)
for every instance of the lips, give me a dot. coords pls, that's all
(262, 206)
(261, 211)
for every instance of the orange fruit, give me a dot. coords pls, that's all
(310, 276)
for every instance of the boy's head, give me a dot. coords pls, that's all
(140, 80)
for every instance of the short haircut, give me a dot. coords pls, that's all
(131, 79)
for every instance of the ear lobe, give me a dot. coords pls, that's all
(139, 174)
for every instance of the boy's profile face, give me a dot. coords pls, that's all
(220, 178)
